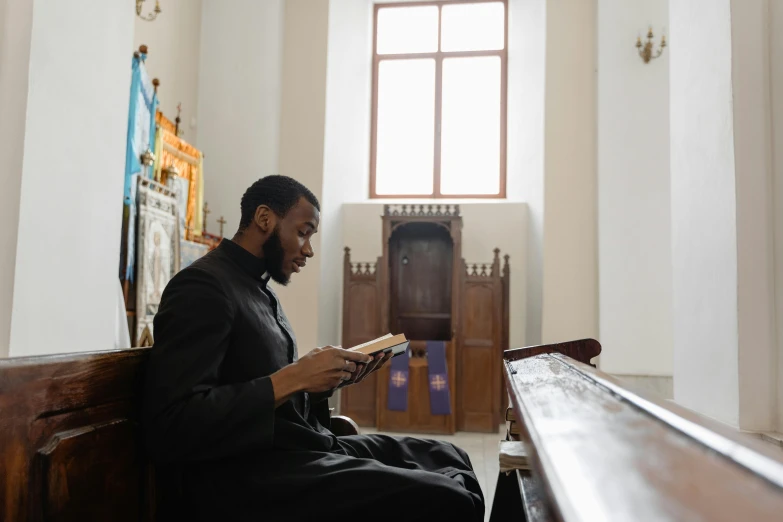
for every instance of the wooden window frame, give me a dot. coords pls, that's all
(439, 56)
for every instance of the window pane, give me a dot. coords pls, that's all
(407, 30)
(470, 131)
(405, 127)
(472, 27)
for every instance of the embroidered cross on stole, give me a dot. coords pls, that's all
(398, 383)
(440, 396)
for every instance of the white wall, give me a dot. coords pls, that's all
(16, 20)
(570, 271)
(173, 41)
(481, 234)
(525, 138)
(776, 72)
(67, 255)
(346, 146)
(303, 110)
(634, 231)
(238, 100)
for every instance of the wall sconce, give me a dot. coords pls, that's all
(150, 17)
(646, 49)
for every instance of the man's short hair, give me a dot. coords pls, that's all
(280, 193)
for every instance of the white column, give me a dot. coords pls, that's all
(776, 59)
(723, 283)
(67, 258)
(16, 20)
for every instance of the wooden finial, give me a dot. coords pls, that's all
(156, 84)
(176, 122)
(222, 222)
(206, 211)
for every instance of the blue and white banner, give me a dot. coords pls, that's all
(141, 137)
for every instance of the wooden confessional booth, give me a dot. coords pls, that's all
(423, 288)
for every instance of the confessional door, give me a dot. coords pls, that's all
(420, 266)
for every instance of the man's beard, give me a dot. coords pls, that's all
(274, 257)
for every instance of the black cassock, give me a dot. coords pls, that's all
(211, 424)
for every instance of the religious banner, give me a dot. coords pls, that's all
(440, 397)
(173, 152)
(158, 249)
(138, 155)
(398, 383)
(190, 252)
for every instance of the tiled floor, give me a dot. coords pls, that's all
(483, 451)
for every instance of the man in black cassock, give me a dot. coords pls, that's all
(239, 424)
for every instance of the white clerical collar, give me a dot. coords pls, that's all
(265, 277)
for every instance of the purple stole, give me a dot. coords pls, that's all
(440, 399)
(398, 383)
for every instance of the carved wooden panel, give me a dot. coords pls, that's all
(91, 473)
(362, 314)
(478, 392)
(69, 445)
(480, 357)
(361, 323)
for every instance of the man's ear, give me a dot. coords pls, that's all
(265, 219)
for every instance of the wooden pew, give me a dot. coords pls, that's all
(70, 444)
(601, 450)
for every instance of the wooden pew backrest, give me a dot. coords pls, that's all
(70, 446)
(603, 451)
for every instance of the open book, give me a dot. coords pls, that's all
(396, 344)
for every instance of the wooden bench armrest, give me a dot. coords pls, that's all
(342, 425)
(583, 350)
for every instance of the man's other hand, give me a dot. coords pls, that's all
(364, 370)
(324, 369)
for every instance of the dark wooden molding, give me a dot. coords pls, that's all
(583, 350)
(342, 425)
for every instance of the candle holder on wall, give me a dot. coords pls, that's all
(646, 49)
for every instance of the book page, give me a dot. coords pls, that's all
(370, 342)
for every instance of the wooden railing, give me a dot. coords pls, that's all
(601, 450)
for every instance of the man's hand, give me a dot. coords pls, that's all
(364, 370)
(324, 369)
